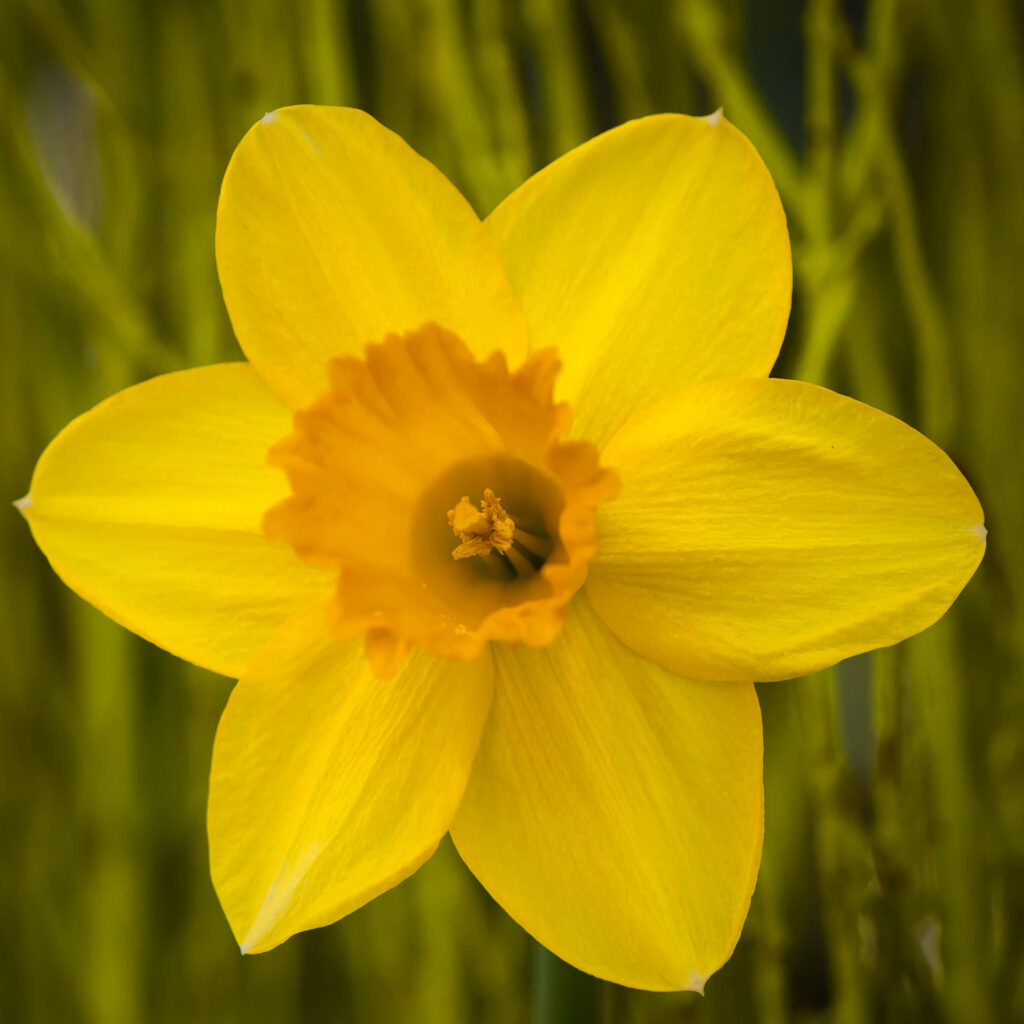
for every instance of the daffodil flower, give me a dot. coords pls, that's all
(496, 527)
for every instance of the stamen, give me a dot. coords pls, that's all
(481, 532)
(531, 545)
(519, 562)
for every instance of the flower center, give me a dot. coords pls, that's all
(373, 466)
(481, 531)
(491, 528)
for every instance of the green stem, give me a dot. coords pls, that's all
(836, 845)
(769, 978)
(563, 995)
(830, 295)
(959, 810)
(564, 112)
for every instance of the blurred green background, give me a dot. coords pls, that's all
(892, 887)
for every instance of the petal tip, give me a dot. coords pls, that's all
(23, 504)
(978, 529)
(696, 982)
(715, 117)
(255, 941)
(269, 117)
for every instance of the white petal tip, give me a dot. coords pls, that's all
(696, 982)
(715, 118)
(268, 118)
(978, 530)
(23, 504)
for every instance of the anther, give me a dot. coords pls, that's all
(483, 530)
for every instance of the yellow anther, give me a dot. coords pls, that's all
(481, 530)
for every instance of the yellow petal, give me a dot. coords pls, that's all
(768, 528)
(332, 232)
(149, 506)
(654, 256)
(330, 785)
(615, 810)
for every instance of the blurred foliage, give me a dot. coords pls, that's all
(892, 887)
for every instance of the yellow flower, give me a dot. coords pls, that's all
(570, 694)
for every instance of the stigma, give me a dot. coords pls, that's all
(489, 528)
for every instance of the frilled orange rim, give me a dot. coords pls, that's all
(440, 489)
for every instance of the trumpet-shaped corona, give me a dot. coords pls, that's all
(372, 465)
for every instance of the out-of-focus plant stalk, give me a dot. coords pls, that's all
(984, 100)
(961, 833)
(564, 110)
(938, 690)
(615, 27)
(111, 890)
(327, 49)
(505, 109)
(835, 852)
(458, 87)
(829, 293)
(702, 25)
(768, 967)
(900, 953)
(935, 390)
(563, 995)
(111, 798)
(827, 299)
